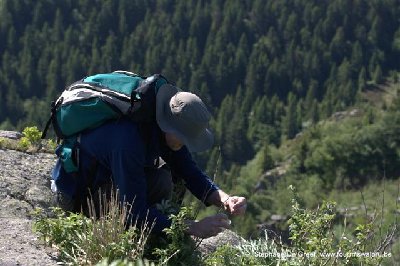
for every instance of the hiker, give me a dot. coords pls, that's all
(145, 163)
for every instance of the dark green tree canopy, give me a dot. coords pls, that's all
(313, 56)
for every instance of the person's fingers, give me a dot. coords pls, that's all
(237, 205)
(239, 200)
(235, 200)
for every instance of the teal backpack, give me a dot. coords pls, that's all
(94, 100)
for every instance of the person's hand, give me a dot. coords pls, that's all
(235, 205)
(209, 226)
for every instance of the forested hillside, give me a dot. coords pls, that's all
(269, 70)
(265, 67)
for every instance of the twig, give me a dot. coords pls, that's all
(206, 193)
(397, 200)
(213, 180)
(383, 198)
(388, 239)
(216, 167)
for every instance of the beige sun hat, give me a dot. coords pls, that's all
(185, 115)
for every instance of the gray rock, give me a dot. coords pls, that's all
(209, 245)
(39, 195)
(10, 134)
(278, 218)
(24, 185)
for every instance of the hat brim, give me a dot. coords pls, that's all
(167, 123)
(202, 142)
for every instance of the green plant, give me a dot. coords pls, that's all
(33, 134)
(229, 255)
(2, 142)
(51, 144)
(62, 231)
(313, 243)
(311, 232)
(32, 137)
(262, 251)
(86, 241)
(178, 248)
(24, 143)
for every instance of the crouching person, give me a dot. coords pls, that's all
(124, 155)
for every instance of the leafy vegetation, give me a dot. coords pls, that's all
(105, 241)
(29, 142)
(86, 241)
(32, 137)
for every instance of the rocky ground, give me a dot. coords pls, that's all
(25, 185)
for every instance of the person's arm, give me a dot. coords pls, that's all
(200, 184)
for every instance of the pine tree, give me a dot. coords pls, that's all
(362, 79)
(53, 79)
(338, 46)
(267, 161)
(95, 65)
(377, 76)
(314, 112)
(357, 59)
(109, 55)
(289, 125)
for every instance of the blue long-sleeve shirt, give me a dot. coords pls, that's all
(122, 153)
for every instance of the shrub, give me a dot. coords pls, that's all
(87, 241)
(313, 243)
(177, 248)
(264, 251)
(311, 232)
(32, 134)
(32, 137)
